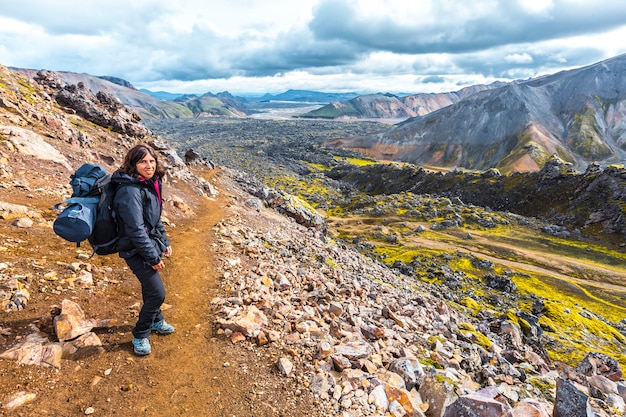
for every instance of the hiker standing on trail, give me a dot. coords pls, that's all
(143, 241)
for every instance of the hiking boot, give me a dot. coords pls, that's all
(162, 327)
(141, 346)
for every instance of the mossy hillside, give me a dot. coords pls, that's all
(575, 329)
(586, 292)
(432, 266)
(585, 136)
(571, 333)
(525, 146)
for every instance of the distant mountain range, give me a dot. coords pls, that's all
(350, 105)
(579, 115)
(308, 96)
(389, 106)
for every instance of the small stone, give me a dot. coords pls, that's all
(335, 308)
(285, 366)
(18, 399)
(23, 223)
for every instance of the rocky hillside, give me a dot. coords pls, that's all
(486, 264)
(147, 106)
(575, 114)
(388, 106)
(305, 324)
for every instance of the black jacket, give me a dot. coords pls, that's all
(138, 210)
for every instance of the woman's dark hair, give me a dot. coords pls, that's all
(136, 154)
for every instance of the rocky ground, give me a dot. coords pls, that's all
(195, 371)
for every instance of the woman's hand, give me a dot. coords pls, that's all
(158, 266)
(167, 252)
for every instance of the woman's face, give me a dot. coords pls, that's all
(146, 166)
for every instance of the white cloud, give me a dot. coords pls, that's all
(329, 45)
(524, 58)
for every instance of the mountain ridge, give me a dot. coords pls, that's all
(393, 107)
(576, 114)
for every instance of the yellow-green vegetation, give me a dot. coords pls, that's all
(477, 336)
(332, 263)
(357, 161)
(390, 254)
(572, 294)
(520, 322)
(576, 331)
(577, 319)
(430, 362)
(463, 263)
(320, 167)
(471, 304)
(545, 385)
(585, 138)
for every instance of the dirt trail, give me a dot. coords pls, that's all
(193, 372)
(182, 364)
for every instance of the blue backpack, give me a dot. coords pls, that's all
(88, 214)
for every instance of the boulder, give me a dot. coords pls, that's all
(571, 401)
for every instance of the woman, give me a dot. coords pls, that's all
(143, 241)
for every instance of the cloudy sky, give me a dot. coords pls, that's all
(257, 46)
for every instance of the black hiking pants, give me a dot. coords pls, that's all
(152, 293)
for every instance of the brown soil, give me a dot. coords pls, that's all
(193, 372)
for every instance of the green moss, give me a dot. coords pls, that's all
(357, 161)
(544, 385)
(578, 319)
(585, 136)
(430, 362)
(471, 304)
(518, 321)
(574, 329)
(390, 254)
(320, 167)
(477, 336)
(332, 263)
